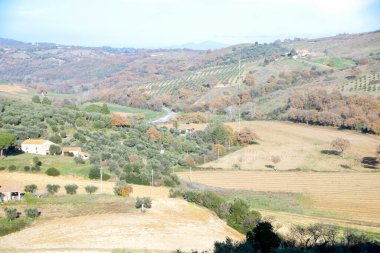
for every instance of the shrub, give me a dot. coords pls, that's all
(95, 174)
(56, 139)
(26, 168)
(36, 168)
(32, 212)
(2, 168)
(122, 189)
(52, 188)
(78, 160)
(146, 201)
(63, 134)
(55, 150)
(11, 213)
(71, 189)
(36, 161)
(30, 188)
(91, 189)
(53, 172)
(12, 167)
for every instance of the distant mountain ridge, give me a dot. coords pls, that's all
(205, 45)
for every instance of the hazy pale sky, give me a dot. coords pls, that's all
(159, 23)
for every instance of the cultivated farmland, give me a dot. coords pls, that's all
(300, 147)
(226, 75)
(364, 84)
(351, 197)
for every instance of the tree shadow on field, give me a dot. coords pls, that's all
(370, 162)
(345, 166)
(330, 152)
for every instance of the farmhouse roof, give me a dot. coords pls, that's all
(10, 188)
(34, 141)
(68, 149)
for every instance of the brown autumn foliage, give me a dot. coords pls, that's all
(196, 117)
(133, 158)
(153, 134)
(219, 149)
(340, 144)
(120, 120)
(250, 79)
(189, 160)
(247, 136)
(320, 107)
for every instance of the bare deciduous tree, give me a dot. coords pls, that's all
(340, 144)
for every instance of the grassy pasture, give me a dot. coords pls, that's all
(64, 164)
(149, 114)
(335, 62)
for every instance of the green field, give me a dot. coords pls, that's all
(335, 62)
(149, 114)
(64, 164)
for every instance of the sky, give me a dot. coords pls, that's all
(163, 23)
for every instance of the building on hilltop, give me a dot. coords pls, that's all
(36, 146)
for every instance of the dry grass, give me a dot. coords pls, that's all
(101, 223)
(11, 88)
(41, 180)
(299, 147)
(350, 196)
(171, 224)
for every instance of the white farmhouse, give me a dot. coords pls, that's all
(36, 146)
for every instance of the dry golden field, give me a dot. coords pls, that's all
(105, 222)
(350, 197)
(171, 224)
(299, 146)
(21, 179)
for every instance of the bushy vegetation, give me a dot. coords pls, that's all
(144, 201)
(71, 189)
(53, 172)
(11, 213)
(52, 188)
(237, 213)
(30, 188)
(313, 238)
(32, 212)
(122, 189)
(91, 189)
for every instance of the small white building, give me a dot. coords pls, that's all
(10, 193)
(75, 151)
(36, 146)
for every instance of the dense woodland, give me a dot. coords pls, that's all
(320, 107)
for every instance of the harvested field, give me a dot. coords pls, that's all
(171, 224)
(11, 88)
(350, 196)
(41, 180)
(300, 147)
